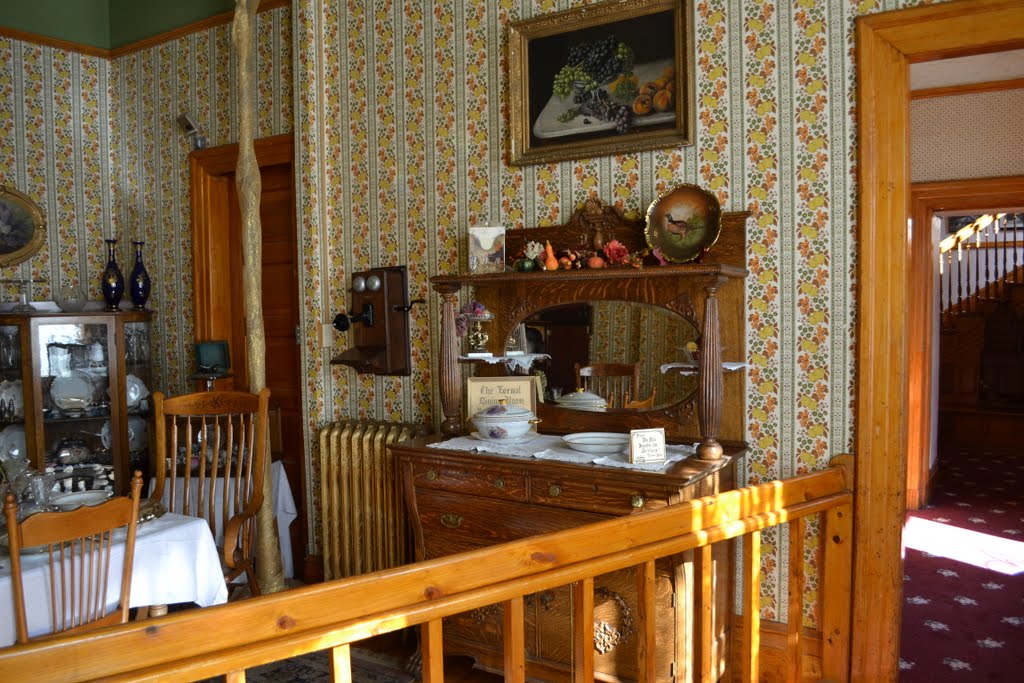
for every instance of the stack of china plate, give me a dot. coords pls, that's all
(72, 392)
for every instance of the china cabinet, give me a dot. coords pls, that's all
(75, 390)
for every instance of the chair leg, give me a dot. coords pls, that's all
(254, 585)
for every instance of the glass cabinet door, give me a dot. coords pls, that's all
(78, 434)
(12, 394)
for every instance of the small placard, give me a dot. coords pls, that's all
(647, 445)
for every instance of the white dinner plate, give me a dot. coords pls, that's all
(597, 442)
(70, 501)
(12, 442)
(72, 392)
(136, 390)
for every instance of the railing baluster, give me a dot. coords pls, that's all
(968, 294)
(341, 664)
(703, 612)
(988, 270)
(432, 650)
(794, 632)
(514, 623)
(1002, 275)
(646, 623)
(959, 278)
(750, 647)
(582, 631)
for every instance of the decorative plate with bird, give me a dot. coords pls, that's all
(683, 222)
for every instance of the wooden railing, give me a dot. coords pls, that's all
(230, 638)
(979, 262)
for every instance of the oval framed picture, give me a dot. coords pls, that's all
(683, 222)
(22, 227)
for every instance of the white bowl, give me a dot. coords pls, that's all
(597, 442)
(70, 501)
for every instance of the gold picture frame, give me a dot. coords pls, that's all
(558, 112)
(518, 390)
(22, 227)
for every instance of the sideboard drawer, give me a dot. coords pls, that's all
(592, 495)
(499, 482)
(490, 521)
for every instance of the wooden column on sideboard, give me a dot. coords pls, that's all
(451, 375)
(709, 388)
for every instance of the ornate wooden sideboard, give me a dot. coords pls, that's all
(459, 501)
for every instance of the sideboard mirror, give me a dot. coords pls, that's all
(623, 332)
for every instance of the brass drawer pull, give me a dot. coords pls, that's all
(431, 475)
(499, 483)
(637, 501)
(554, 490)
(451, 520)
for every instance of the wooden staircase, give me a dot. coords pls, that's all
(981, 365)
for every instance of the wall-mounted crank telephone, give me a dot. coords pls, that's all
(380, 327)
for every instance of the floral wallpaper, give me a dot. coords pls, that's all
(95, 142)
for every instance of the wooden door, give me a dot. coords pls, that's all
(218, 290)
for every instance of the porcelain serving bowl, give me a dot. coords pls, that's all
(583, 400)
(502, 421)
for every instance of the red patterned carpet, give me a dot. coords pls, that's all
(963, 583)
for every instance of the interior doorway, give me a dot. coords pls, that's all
(886, 44)
(219, 312)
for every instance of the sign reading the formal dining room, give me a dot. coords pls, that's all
(482, 392)
(647, 445)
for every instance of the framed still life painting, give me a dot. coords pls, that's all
(601, 79)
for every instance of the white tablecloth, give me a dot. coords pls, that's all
(284, 509)
(175, 561)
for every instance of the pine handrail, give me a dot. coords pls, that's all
(230, 638)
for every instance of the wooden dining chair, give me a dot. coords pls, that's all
(209, 460)
(616, 383)
(78, 544)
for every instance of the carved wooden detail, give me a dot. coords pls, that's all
(709, 294)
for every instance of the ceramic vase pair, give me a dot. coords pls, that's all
(112, 283)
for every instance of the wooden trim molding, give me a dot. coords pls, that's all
(212, 181)
(886, 43)
(145, 43)
(47, 41)
(967, 89)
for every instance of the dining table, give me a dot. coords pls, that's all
(176, 561)
(284, 508)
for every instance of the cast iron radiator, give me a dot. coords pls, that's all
(362, 509)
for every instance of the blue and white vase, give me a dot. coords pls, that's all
(139, 285)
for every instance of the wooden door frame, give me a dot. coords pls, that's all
(211, 171)
(886, 44)
(927, 199)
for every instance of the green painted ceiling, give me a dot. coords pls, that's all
(106, 24)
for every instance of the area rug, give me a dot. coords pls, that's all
(963, 583)
(367, 667)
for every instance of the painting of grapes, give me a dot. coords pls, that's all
(606, 80)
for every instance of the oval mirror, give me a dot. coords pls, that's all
(601, 334)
